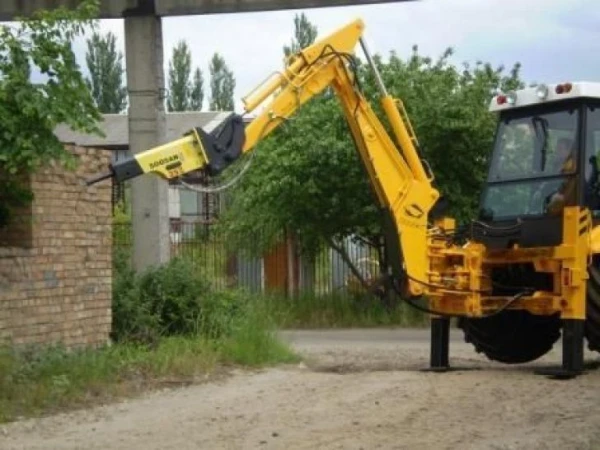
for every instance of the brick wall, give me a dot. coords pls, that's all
(55, 262)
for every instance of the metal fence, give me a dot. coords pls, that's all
(282, 268)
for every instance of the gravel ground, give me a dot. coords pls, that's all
(358, 389)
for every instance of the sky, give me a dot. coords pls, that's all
(554, 40)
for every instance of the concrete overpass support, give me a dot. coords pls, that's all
(146, 86)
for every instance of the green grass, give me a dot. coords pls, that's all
(191, 332)
(339, 311)
(254, 341)
(40, 381)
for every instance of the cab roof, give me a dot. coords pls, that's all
(544, 93)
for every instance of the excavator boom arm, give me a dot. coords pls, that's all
(395, 170)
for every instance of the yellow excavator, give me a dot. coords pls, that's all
(515, 277)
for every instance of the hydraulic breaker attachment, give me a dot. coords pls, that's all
(211, 152)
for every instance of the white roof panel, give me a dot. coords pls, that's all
(528, 96)
(116, 128)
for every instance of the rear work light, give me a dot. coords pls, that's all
(563, 88)
(509, 97)
(542, 92)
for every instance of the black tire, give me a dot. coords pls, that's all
(513, 336)
(592, 321)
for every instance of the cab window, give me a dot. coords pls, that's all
(592, 155)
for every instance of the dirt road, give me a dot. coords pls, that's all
(358, 389)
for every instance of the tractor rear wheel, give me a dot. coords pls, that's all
(518, 336)
(513, 336)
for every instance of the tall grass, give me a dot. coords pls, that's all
(254, 342)
(338, 311)
(35, 381)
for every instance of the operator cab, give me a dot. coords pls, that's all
(544, 158)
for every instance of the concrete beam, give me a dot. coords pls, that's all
(190, 7)
(112, 9)
(147, 128)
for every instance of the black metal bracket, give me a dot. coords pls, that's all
(224, 144)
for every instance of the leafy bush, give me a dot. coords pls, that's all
(174, 295)
(162, 301)
(131, 318)
(173, 299)
(223, 312)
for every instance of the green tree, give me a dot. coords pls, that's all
(305, 34)
(185, 94)
(105, 65)
(222, 85)
(197, 96)
(180, 87)
(448, 107)
(307, 177)
(30, 110)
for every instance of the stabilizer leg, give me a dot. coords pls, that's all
(440, 343)
(572, 351)
(573, 331)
